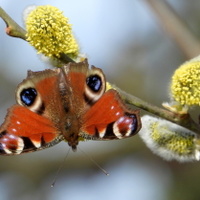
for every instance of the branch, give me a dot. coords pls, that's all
(12, 29)
(184, 120)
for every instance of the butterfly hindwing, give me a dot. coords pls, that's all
(110, 119)
(25, 131)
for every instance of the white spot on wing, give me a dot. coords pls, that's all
(129, 131)
(36, 143)
(116, 130)
(118, 113)
(6, 150)
(102, 134)
(14, 130)
(20, 144)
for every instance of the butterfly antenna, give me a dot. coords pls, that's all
(59, 169)
(94, 162)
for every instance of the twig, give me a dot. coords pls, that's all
(184, 120)
(12, 29)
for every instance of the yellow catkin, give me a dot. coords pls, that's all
(185, 86)
(50, 33)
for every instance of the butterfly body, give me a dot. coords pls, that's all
(70, 103)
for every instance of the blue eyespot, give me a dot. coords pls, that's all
(28, 96)
(94, 83)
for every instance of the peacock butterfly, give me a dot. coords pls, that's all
(69, 103)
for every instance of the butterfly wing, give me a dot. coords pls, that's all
(110, 119)
(33, 123)
(25, 131)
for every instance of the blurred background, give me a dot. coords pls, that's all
(138, 51)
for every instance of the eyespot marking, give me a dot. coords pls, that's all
(28, 96)
(94, 82)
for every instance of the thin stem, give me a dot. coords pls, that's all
(65, 58)
(12, 29)
(184, 120)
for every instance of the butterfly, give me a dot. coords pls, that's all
(69, 103)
